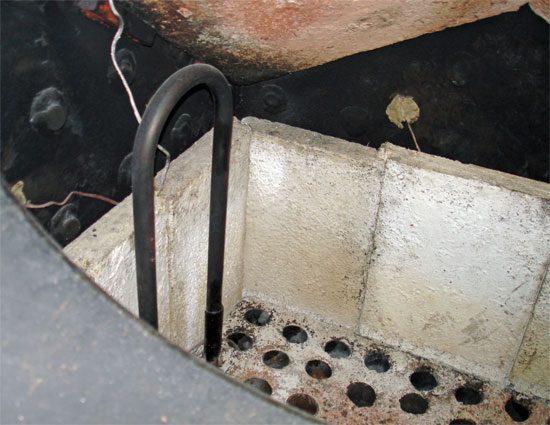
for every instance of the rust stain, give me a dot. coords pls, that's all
(541, 8)
(102, 14)
(251, 40)
(268, 20)
(105, 16)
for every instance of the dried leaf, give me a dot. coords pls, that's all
(17, 191)
(403, 109)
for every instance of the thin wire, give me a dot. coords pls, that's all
(116, 38)
(63, 202)
(118, 34)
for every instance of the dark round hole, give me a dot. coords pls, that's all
(361, 394)
(378, 362)
(304, 402)
(295, 334)
(468, 395)
(260, 384)
(423, 380)
(517, 411)
(242, 341)
(462, 422)
(414, 403)
(318, 369)
(276, 359)
(257, 317)
(338, 349)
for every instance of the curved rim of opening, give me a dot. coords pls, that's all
(260, 384)
(304, 402)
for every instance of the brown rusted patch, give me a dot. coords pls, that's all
(541, 8)
(252, 40)
(102, 14)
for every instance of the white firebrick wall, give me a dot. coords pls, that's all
(442, 259)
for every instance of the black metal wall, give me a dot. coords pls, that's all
(66, 120)
(482, 89)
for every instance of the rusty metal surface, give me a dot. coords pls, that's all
(330, 394)
(251, 40)
(541, 8)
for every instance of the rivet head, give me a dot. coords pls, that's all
(65, 225)
(274, 98)
(127, 63)
(182, 129)
(461, 70)
(354, 120)
(48, 110)
(124, 175)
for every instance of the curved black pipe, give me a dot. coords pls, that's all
(145, 145)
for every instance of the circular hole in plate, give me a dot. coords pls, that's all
(276, 359)
(257, 317)
(462, 422)
(423, 380)
(413, 403)
(517, 411)
(318, 369)
(295, 334)
(242, 341)
(377, 361)
(361, 394)
(468, 395)
(337, 349)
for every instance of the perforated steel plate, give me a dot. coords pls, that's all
(342, 378)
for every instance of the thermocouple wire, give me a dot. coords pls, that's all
(116, 38)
